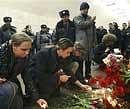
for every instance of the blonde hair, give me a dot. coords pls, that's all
(18, 38)
(109, 38)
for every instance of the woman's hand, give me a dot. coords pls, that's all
(86, 87)
(42, 103)
(64, 78)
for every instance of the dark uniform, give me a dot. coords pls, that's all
(43, 38)
(29, 32)
(6, 30)
(65, 29)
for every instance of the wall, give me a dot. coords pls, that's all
(37, 12)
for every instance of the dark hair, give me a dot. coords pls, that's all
(64, 43)
(84, 5)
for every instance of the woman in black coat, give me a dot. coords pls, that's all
(13, 61)
(52, 68)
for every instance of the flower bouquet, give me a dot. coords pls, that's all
(114, 69)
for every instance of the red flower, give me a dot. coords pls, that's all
(92, 81)
(119, 91)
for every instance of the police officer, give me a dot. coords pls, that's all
(28, 31)
(43, 37)
(65, 27)
(6, 30)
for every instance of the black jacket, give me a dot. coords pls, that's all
(10, 67)
(99, 53)
(44, 66)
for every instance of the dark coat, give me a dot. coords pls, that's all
(100, 34)
(128, 36)
(44, 66)
(86, 34)
(125, 39)
(67, 31)
(10, 67)
(117, 33)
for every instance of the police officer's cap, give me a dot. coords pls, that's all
(64, 13)
(7, 19)
(43, 26)
(28, 26)
(64, 43)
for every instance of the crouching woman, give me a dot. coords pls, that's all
(13, 61)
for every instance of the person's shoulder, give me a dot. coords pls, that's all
(71, 22)
(89, 16)
(45, 53)
(13, 27)
(100, 45)
(45, 50)
(78, 16)
(4, 49)
(60, 23)
(4, 46)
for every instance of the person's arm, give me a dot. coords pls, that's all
(4, 60)
(82, 86)
(29, 83)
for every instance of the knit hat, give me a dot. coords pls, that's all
(84, 5)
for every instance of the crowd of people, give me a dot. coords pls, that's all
(67, 57)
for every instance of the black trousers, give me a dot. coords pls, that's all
(87, 69)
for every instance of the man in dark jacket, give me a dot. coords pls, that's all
(6, 30)
(117, 32)
(65, 27)
(100, 32)
(13, 61)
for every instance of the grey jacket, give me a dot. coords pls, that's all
(86, 33)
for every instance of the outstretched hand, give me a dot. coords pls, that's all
(86, 87)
